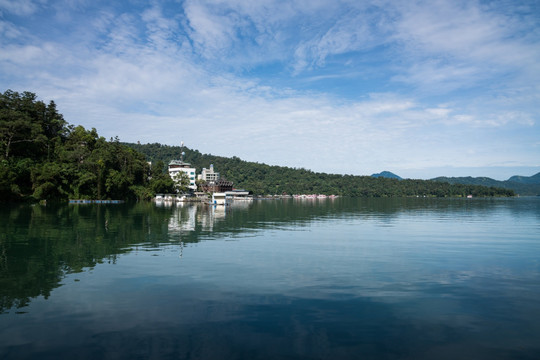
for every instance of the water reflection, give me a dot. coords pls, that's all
(40, 245)
(342, 279)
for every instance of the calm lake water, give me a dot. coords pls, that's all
(275, 279)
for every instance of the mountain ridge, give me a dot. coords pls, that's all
(534, 179)
(522, 185)
(272, 179)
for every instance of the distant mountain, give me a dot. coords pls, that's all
(386, 174)
(522, 185)
(468, 180)
(535, 179)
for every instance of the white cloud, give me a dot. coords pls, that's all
(492, 120)
(30, 55)
(158, 75)
(349, 33)
(436, 76)
(212, 34)
(20, 7)
(463, 41)
(8, 30)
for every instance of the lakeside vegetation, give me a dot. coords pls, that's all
(522, 185)
(42, 157)
(267, 179)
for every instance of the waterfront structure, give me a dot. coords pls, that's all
(239, 194)
(220, 198)
(220, 185)
(177, 166)
(85, 201)
(212, 181)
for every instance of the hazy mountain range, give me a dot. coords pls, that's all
(522, 185)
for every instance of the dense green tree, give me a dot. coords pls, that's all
(161, 182)
(264, 179)
(181, 182)
(44, 158)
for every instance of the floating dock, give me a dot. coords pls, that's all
(96, 201)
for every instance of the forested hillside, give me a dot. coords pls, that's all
(42, 157)
(522, 185)
(266, 179)
(535, 179)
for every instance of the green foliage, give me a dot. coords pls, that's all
(181, 182)
(264, 179)
(28, 128)
(523, 185)
(49, 182)
(44, 158)
(162, 185)
(161, 182)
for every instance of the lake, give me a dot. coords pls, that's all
(272, 279)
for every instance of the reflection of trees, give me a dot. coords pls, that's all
(40, 245)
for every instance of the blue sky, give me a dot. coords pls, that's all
(419, 88)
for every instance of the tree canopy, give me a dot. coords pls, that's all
(265, 179)
(42, 157)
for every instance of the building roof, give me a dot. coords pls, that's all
(179, 163)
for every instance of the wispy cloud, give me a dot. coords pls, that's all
(463, 42)
(20, 7)
(350, 33)
(449, 80)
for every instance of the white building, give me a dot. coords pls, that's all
(209, 175)
(220, 199)
(177, 166)
(239, 195)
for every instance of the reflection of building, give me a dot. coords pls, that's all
(218, 213)
(183, 219)
(240, 204)
(206, 219)
(178, 166)
(186, 218)
(210, 216)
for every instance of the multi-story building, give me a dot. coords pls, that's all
(177, 166)
(209, 175)
(212, 181)
(221, 185)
